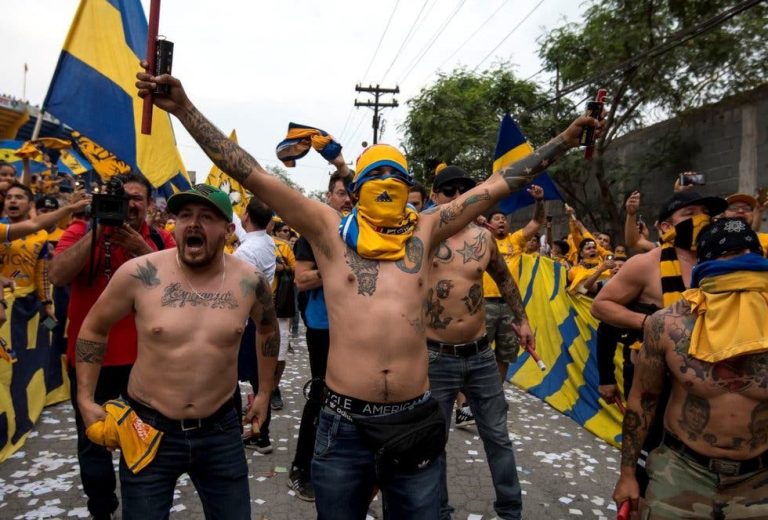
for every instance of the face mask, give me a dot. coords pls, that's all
(685, 233)
(382, 202)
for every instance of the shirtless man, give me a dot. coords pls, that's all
(713, 459)
(191, 305)
(460, 355)
(655, 279)
(375, 288)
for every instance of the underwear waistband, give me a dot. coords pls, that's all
(347, 406)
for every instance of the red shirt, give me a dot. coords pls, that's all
(121, 344)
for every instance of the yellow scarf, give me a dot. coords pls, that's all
(381, 222)
(122, 428)
(716, 336)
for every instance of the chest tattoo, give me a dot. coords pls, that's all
(366, 272)
(175, 296)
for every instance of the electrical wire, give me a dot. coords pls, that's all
(521, 22)
(386, 28)
(407, 38)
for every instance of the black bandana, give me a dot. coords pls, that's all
(726, 235)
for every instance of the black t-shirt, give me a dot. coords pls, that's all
(303, 251)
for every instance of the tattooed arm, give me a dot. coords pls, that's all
(267, 345)
(452, 217)
(647, 384)
(309, 217)
(499, 271)
(114, 303)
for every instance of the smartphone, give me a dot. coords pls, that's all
(49, 323)
(692, 179)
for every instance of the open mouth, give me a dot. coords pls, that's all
(194, 242)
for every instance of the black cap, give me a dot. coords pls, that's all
(47, 202)
(452, 175)
(726, 235)
(682, 199)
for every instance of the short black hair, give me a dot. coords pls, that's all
(417, 187)
(137, 178)
(24, 188)
(563, 245)
(259, 213)
(495, 211)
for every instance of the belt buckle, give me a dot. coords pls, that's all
(729, 468)
(194, 424)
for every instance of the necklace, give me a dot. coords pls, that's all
(210, 295)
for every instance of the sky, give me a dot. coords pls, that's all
(255, 66)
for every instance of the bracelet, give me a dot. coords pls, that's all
(642, 324)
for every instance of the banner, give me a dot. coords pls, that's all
(566, 341)
(238, 195)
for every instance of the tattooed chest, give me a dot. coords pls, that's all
(744, 374)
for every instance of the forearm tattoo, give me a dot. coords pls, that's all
(90, 351)
(538, 211)
(228, 156)
(499, 271)
(453, 210)
(271, 347)
(523, 171)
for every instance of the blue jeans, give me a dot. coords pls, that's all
(478, 377)
(215, 461)
(344, 475)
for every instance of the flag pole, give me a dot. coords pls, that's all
(24, 84)
(154, 25)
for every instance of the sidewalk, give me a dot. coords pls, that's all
(565, 472)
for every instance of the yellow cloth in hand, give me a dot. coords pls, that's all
(123, 429)
(732, 316)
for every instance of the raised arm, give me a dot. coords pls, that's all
(114, 303)
(267, 346)
(632, 236)
(449, 218)
(309, 217)
(499, 271)
(533, 226)
(43, 220)
(643, 401)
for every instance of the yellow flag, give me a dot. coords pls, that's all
(238, 195)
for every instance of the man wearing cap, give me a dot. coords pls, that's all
(712, 346)
(656, 279)
(745, 207)
(380, 425)
(191, 304)
(460, 355)
(499, 317)
(71, 266)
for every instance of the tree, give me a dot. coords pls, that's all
(282, 173)
(456, 120)
(729, 58)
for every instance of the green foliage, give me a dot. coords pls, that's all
(282, 173)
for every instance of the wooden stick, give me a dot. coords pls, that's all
(154, 25)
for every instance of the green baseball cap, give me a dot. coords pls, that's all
(205, 194)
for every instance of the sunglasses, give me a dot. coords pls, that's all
(450, 191)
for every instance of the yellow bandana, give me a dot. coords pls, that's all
(685, 233)
(122, 428)
(381, 222)
(742, 294)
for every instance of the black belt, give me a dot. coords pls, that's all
(459, 349)
(496, 299)
(166, 424)
(727, 467)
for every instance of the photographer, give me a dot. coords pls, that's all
(71, 264)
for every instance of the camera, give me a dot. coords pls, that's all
(692, 179)
(110, 206)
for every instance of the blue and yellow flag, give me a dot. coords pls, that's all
(72, 163)
(93, 90)
(238, 195)
(511, 146)
(9, 153)
(566, 341)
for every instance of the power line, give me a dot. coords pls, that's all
(672, 42)
(406, 39)
(392, 15)
(432, 41)
(510, 33)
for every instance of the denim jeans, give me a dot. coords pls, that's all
(213, 458)
(344, 474)
(96, 470)
(478, 377)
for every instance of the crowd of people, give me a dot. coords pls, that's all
(432, 268)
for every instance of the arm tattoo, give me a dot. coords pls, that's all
(523, 171)
(366, 271)
(632, 438)
(147, 275)
(758, 426)
(414, 253)
(475, 250)
(228, 156)
(499, 271)
(453, 210)
(271, 346)
(90, 351)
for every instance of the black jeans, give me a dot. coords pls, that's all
(318, 342)
(96, 470)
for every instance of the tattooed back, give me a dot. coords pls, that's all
(718, 409)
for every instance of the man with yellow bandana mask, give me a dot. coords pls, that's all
(380, 425)
(654, 280)
(712, 348)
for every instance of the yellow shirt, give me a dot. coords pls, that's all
(510, 247)
(285, 255)
(579, 274)
(24, 260)
(763, 238)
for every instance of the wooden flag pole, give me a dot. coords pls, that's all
(154, 25)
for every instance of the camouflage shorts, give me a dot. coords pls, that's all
(498, 323)
(681, 488)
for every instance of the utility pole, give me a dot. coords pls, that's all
(377, 91)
